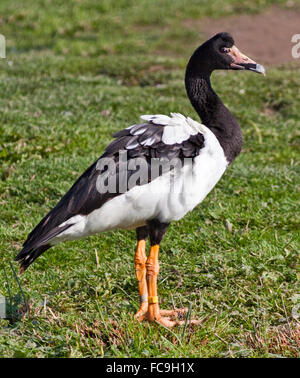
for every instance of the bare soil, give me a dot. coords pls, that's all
(265, 37)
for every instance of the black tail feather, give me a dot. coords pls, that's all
(27, 256)
(36, 244)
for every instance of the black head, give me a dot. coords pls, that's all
(220, 53)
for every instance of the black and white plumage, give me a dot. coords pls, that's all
(84, 211)
(150, 205)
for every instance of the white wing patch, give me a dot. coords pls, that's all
(177, 127)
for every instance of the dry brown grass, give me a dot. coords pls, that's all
(278, 340)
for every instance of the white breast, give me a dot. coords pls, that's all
(195, 181)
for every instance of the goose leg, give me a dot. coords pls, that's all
(164, 317)
(154, 313)
(152, 268)
(140, 270)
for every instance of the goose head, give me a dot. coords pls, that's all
(220, 52)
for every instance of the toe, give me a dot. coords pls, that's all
(172, 323)
(167, 322)
(142, 311)
(177, 312)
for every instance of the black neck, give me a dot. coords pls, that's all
(213, 112)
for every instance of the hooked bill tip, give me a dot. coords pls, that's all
(260, 69)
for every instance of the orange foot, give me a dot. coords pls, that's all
(168, 318)
(142, 310)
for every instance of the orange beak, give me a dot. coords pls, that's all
(242, 62)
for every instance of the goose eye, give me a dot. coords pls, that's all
(224, 50)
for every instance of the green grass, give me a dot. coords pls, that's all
(75, 73)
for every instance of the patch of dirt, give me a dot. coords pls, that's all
(264, 37)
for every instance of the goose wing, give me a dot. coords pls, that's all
(160, 137)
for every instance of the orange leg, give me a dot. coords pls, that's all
(140, 270)
(147, 270)
(154, 313)
(152, 267)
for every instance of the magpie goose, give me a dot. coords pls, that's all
(154, 172)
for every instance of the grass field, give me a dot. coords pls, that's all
(78, 71)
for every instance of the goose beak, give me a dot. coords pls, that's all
(242, 62)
